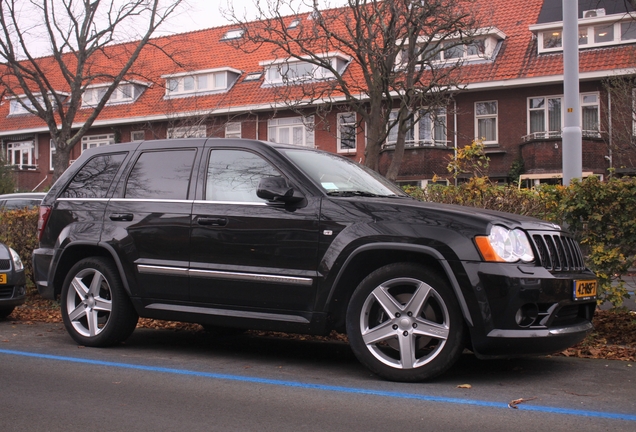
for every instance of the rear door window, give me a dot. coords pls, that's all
(161, 175)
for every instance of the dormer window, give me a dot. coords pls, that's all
(483, 46)
(201, 82)
(292, 25)
(294, 70)
(18, 105)
(595, 29)
(233, 34)
(127, 92)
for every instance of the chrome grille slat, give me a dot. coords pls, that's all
(557, 252)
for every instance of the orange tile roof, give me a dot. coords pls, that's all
(204, 49)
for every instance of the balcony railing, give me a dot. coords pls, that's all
(537, 136)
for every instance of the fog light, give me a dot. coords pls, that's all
(527, 314)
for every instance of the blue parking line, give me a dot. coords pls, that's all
(328, 388)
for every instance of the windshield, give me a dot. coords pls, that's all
(341, 177)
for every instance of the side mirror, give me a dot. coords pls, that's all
(276, 189)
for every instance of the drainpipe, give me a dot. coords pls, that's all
(609, 126)
(455, 133)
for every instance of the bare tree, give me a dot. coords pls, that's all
(621, 137)
(79, 35)
(390, 58)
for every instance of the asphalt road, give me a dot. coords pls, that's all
(161, 380)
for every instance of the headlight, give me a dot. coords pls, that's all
(505, 245)
(17, 262)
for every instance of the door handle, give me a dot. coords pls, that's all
(212, 221)
(121, 217)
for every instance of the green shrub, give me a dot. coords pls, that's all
(18, 230)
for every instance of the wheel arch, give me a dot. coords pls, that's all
(73, 253)
(367, 258)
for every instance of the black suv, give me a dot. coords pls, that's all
(253, 235)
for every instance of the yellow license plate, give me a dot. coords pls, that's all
(3, 278)
(584, 290)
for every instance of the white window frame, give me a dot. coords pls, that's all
(233, 34)
(494, 116)
(199, 83)
(138, 135)
(557, 133)
(292, 130)
(434, 117)
(92, 141)
(343, 125)
(52, 151)
(589, 32)
(233, 130)
(17, 150)
(276, 71)
(199, 131)
(126, 92)
(16, 108)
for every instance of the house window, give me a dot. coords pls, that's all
(290, 70)
(486, 122)
(51, 154)
(199, 83)
(199, 131)
(233, 34)
(233, 130)
(16, 106)
(21, 154)
(137, 135)
(124, 93)
(292, 130)
(346, 132)
(91, 141)
(545, 115)
(428, 130)
(593, 31)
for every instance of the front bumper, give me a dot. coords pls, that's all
(13, 293)
(526, 310)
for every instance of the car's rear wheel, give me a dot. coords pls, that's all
(5, 312)
(404, 323)
(95, 307)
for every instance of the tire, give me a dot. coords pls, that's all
(95, 307)
(404, 323)
(5, 312)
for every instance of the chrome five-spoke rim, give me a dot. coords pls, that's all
(404, 323)
(89, 302)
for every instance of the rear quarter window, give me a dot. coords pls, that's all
(95, 177)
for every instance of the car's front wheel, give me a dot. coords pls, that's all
(95, 307)
(404, 323)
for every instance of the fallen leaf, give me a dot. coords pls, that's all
(466, 386)
(514, 403)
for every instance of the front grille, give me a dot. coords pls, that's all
(6, 292)
(5, 264)
(558, 252)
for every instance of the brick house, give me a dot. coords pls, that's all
(512, 100)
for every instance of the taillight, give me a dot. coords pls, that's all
(43, 218)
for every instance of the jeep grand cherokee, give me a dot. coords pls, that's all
(242, 234)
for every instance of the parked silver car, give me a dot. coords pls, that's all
(21, 200)
(12, 281)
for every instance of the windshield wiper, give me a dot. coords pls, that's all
(347, 193)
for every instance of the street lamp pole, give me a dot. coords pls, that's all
(572, 135)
